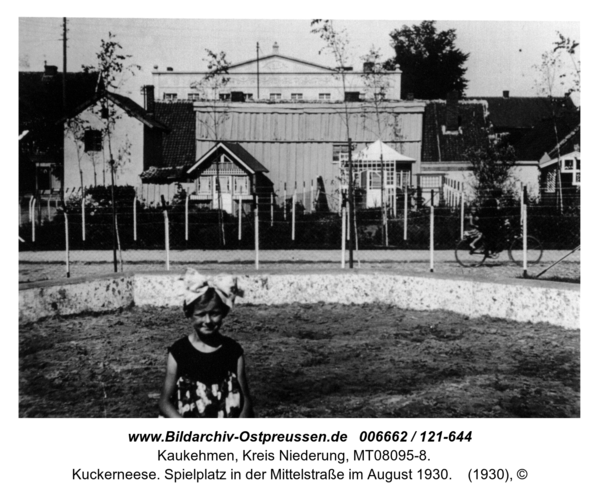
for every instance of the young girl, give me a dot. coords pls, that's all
(205, 370)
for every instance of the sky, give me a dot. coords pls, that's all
(502, 53)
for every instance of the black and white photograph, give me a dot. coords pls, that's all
(315, 218)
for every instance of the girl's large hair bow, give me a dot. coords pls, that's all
(197, 284)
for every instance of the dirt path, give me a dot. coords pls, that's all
(311, 361)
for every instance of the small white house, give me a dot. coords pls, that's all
(108, 126)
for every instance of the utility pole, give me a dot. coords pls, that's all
(257, 75)
(351, 211)
(64, 78)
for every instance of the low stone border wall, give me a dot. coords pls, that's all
(520, 300)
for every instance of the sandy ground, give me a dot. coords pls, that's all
(49, 265)
(310, 361)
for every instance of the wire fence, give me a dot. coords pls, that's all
(418, 232)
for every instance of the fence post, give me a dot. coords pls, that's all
(521, 202)
(187, 220)
(256, 237)
(135, 219)
(33, 221)
(240, 218)
(462, 210)
(48, 207)
(431, 231)
(524, 198)
(304, 197)
(343, 237)
(405, 212)
(294, 216)
(284, 201)
(271, 209)
(312, 197)
(30, 209)
(167, 247)
(67, 245)
(83, 218)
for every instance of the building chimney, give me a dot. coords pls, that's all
(452, 117)
(149, 99)
(50, 70)
(275, 48)
(505, 94)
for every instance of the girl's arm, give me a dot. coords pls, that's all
(167, 408)
(247, 411)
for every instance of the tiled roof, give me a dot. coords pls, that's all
(440, 146)
(507, 113)
(542, 139)
(179, 146)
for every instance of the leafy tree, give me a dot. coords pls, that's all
(493, 161)
(554, 77)
(431, 64)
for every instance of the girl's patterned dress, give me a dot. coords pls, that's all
(207, 384)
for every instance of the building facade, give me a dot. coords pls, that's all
(274, 78)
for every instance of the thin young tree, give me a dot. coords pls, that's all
(377, 85)
(337, 44)
(211, 87)
(112, 67)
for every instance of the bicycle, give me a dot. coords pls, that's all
(472, 251)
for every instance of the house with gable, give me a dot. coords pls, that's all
(90, 144)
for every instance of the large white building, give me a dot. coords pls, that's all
(274, 77)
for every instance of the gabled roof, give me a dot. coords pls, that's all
(543, 138)
(268, 57)
(179, 145)
(238, 154)
(507, 113)
(378, 150)
(130, 107)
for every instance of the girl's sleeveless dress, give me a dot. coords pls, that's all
(207, 384)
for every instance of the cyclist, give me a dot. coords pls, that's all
(487, 223)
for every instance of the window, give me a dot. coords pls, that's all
(577, 178)
(169, 97)
(389, 179)
(92, 140)
(249, 96)
(275, 96)
(296, 96)
(193, 96)
(340, 153)
(241, 185)
(226, 96)
(324, 96)
(352, 96)
(568, 165)
(577, 164)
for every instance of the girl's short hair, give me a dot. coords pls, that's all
(209, 296)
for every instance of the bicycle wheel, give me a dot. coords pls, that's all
(534, 250)
(466, 257)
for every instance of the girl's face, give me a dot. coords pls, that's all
(207, 318)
